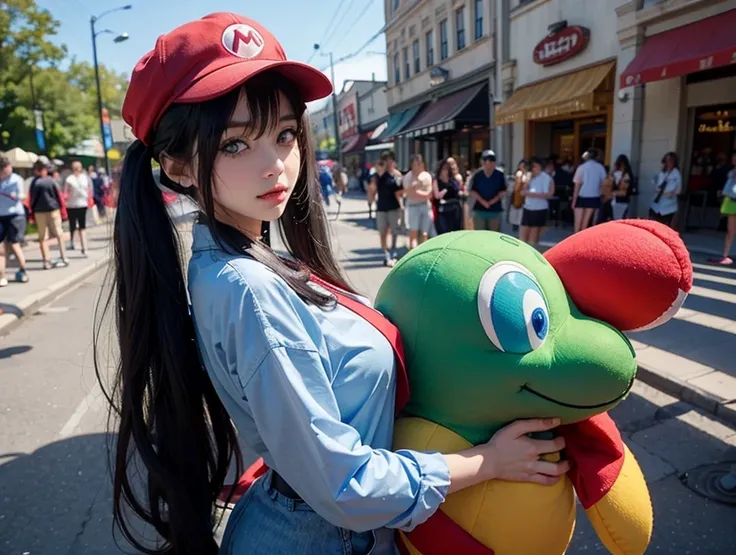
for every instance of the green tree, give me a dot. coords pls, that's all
(68, 98)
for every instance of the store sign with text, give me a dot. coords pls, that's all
(348, 117)
(561, 46)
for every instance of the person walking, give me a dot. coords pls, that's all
(259, 343)
(447, 197)
(46, 205)
(728, 210)
(12, 220)
(586, 197)
(418, 190)
(78, 193)
(668, 183)
(488, 187)
(537, 193)
(388, 206)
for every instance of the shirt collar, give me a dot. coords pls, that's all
(202, 239)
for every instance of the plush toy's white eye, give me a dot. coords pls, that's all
(512, 308)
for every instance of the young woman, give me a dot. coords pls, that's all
(623, 177)
(446, 189)
(521, 178)
(262, 348)
(669, 186)
(78, 192)
(537, 192)
(728, 209)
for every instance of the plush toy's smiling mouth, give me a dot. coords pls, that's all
(528, 389)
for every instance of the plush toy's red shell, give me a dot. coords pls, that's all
(632, 274)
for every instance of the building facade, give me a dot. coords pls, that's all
(638, 77)
(440, 59)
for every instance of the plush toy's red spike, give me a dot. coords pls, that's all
(632, 274)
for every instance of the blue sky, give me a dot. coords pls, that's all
(296, 26)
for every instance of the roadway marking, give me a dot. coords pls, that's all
(90, 400)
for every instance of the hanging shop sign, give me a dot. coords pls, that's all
(561, 45)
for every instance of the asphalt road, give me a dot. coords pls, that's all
(54, 482)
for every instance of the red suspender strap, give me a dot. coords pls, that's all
(387, 329)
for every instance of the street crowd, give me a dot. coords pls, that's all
(46, 199)
(427, 204)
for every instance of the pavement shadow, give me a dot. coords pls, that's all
(668, 441)
(364, 222)
(58, 499)
(9, 352)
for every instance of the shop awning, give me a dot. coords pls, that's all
(355, 144)
(440, 115)
(705, 44)
(377, 134)
(566, 94)
(399, 120)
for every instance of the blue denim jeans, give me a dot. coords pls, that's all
(265, 522)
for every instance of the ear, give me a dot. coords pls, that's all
(177, 171)
(631, 274)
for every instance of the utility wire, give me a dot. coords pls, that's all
(328, 28)
(354, 23)
(335, 28)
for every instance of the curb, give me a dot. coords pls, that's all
(688, 393)
(30, 304)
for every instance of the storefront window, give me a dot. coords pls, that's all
(460, 26)
(443, 40)
(714, 139)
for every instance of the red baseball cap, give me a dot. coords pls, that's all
(204, 59)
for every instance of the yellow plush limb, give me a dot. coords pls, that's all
(623, 519)
(511, 518)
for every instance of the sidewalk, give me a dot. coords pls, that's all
(23, 299)
(692, 357)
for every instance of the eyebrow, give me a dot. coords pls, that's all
(246, 124)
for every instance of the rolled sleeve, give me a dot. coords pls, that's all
(324, 460)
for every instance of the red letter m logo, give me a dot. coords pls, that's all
(238, 36)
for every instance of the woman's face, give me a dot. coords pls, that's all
(445, 171)
(669, 162)
(453, 165)
(254, 177)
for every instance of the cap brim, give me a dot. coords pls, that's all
(312, 83)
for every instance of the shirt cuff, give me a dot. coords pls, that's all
(433, 486)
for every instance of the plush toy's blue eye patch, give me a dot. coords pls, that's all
(512, 309)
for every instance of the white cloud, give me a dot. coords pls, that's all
(362, 67)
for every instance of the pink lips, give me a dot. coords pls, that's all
(277, 194)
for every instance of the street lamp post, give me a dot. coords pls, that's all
(338, 145)
(119, 38)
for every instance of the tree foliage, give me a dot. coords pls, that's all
(30, 63)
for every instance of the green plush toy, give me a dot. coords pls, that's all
(492, 333)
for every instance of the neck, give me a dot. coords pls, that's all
(245, 225)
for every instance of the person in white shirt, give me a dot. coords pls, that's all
(418, 190)
(537, 192)
(78, 191)
(586, 197)
(669, 185)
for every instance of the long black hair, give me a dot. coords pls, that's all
(624, 165)
(168, 413)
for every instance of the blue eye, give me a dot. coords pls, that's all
(512, 309)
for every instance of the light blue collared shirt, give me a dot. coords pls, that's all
(311, 390)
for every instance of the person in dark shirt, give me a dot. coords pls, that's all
(447, 200)
(388, 206)
(46, 209)
(488, 190)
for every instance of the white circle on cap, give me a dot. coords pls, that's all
(243, 41)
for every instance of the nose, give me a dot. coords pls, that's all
(273, 164)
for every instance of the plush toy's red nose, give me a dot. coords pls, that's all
(632, 274)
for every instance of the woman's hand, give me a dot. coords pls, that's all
(515, 457)
(509, 455)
